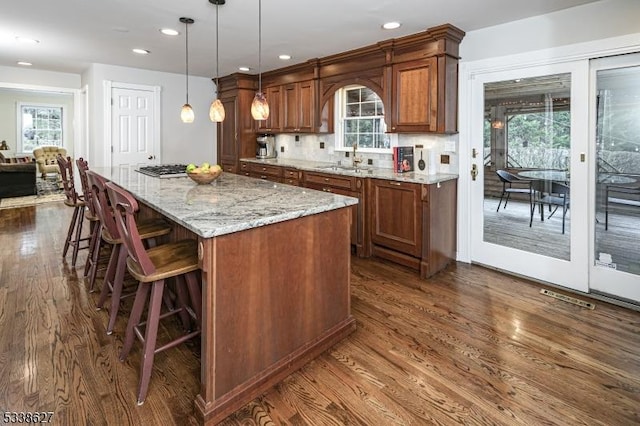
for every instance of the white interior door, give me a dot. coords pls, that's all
(531, 120)
(615, 141)
(133, 127)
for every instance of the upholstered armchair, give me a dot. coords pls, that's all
(46, 158)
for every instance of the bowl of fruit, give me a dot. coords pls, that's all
(204, 174)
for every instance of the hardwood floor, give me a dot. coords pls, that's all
(469, 346)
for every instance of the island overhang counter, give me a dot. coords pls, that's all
(275, 263)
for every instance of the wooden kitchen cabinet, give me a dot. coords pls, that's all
(273, 124)
(237, 133)
(439, 221)
(414, 106)
(351, 187)
(413, 224)
(298, 107)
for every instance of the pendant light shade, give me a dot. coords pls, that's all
(186, 114)
(216, 110)
(260, 106)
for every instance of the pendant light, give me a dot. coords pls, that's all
(259, 106)
(186, 114)
(216, 110)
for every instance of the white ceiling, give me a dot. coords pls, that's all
(75, 33)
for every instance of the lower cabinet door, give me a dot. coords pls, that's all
(396, 216)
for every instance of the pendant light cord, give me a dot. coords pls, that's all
(186, 28)
(217, 52)
(259, 46)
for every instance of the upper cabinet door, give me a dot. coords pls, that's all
(306, 98)
(298, 107)
(273, 124)
(415, 96)
(227, 133)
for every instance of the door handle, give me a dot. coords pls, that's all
(151, 157)
(474, 171)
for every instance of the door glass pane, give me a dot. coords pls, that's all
(527, 140)
(617, 227)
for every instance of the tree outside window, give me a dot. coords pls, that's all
(360, 120)
(41, 125)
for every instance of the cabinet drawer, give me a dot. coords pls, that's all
(265, 169)
(288, 181)
(229, 168)
(290, 173)
(329, 180)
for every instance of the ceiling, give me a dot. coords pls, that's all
(75, 33)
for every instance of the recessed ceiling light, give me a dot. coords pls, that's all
(391, 25)
(141, 51)
(27, 40)
(169, 31)
(244, 69)
(285, 57)
(25, 64)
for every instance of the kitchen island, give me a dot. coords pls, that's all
(275, 263)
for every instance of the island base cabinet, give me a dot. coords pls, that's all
(274, 298)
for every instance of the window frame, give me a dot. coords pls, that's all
(19, 124)
(340, 120)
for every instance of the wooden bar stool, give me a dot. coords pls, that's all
(73, 199)
(95, 226)
(151, 268)
(149, 230)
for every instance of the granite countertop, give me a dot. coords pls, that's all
(347, 170)
(230, 204)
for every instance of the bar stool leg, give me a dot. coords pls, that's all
(72, 226)
(151, 333)
(109, 275)
(94, 243)
(95, 258)
(134, 318)
(116, 288)
(78, 237)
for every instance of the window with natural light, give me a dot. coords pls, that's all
(360, 120)
(41, 125)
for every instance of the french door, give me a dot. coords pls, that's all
(615, 138)
(532, 123)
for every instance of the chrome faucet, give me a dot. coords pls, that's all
(356, 160)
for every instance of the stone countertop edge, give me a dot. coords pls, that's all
(366, 172)
(232, 203)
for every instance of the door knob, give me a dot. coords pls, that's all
(474, 171)
(151, 157)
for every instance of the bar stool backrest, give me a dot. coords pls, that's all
(66, 173)
(101, 202)
(124, 210)
(83, 168)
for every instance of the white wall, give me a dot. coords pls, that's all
(28, 76)
(593, 21)
(180, 142)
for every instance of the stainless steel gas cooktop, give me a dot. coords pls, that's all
(164, 170)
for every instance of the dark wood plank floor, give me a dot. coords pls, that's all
(470, 346)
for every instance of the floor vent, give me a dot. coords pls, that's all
(568, 299)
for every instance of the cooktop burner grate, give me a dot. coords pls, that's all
(164, 170)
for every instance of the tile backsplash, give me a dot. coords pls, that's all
(308, 147)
